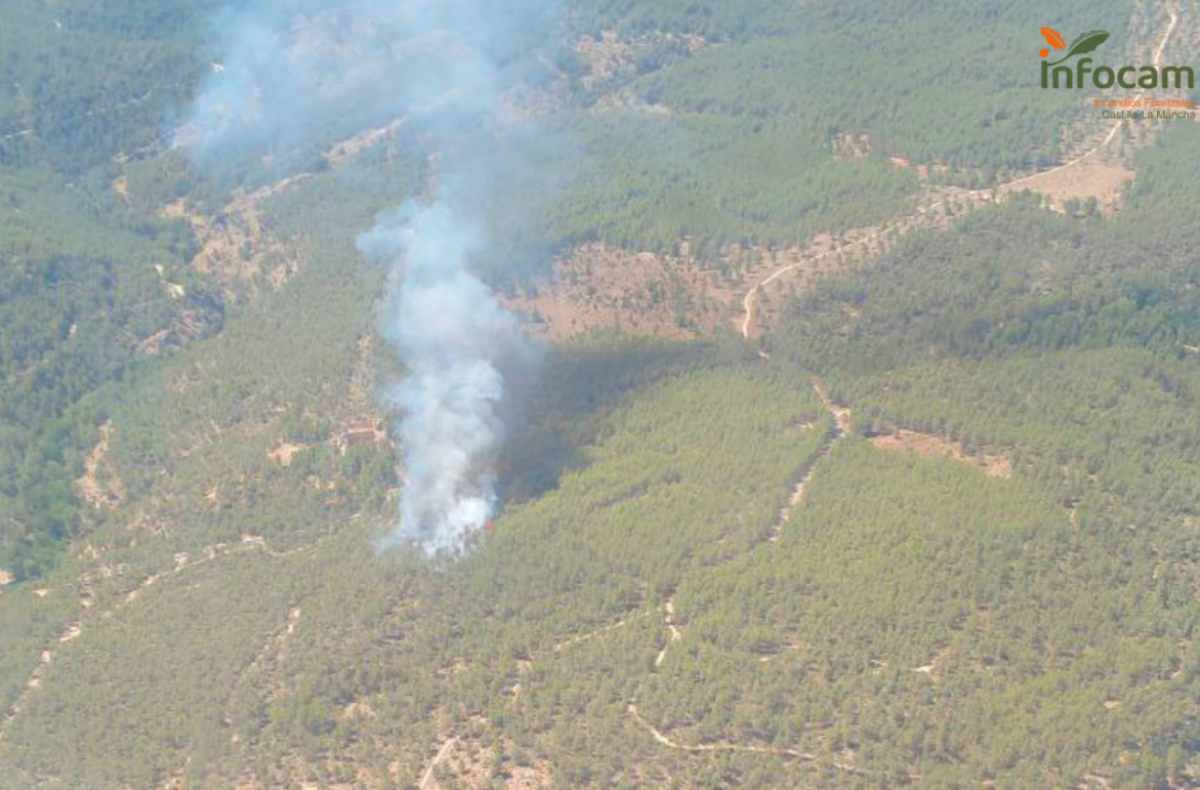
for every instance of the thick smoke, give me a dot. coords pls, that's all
(295, 73)
(453, 336)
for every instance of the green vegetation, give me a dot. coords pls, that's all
(1063, 343)
(950, 627)
(80, 84)
(85, 293)
(649, 182)
(739, 158)
(83, 275)
(652, 607)
(743, 140)
(534, 584)
(872, 79)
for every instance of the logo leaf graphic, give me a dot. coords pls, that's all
(1084, 44)
(1054, 38)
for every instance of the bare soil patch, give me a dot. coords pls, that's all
(672, 628)
(598, 286)
(605, 57)
(530, 777)
(1101, 179)
(120, 186)
(100, 487)
(611, 57)
(929, 445)
(187, 325)
(851, 145)
(285, 452)
(360, 431)
(353, 146)
(779, 274)
(469, 762)
(236, 248)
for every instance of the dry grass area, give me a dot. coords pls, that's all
(235, 246)
(99, 486)
(605, 57)
(777, 275)
(929, 445)
(610, 56)
(850, 145)
(351, 147)
(285, 452)
(1100, 178)
(469, 762)
(598, 286)
(120, 187)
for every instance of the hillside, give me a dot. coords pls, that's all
(855, 444)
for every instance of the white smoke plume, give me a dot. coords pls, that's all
(288, 74)
(292, 74)
(453, 337)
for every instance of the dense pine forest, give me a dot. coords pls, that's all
(80, 290)
(936, 527)
(98, 105)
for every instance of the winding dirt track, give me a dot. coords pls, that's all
(340, 152)
(841, 425)
(567, 644)
(183, 562)
(721, 746)
(675, 633)
(427, 780)
(1116, 127)
(920, 216)
(841, 417)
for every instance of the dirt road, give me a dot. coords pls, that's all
(427, 780)
(924, 213)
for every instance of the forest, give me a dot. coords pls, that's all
(739, 141)
(81, 90)
(936, 528)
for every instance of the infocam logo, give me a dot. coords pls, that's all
(1081, 71)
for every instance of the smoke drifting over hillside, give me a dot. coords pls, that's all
(452, 335)
(294, 73)
(287, 73)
